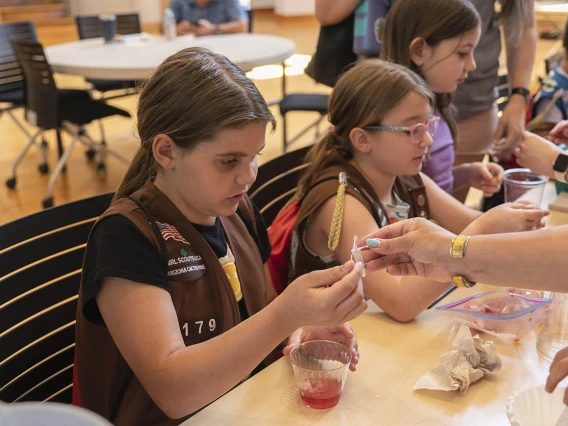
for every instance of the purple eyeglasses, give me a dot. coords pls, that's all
(416, 131)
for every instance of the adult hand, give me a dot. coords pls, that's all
(559, 133)
(509, 217)
(337, 333)
(328, 297)
(184, 27)
(510, 128)
(204, 28)
(410, 247)
(537, 154)
(485, 176)
(558, 371)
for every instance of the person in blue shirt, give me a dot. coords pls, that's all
(209, 17)
(556, 80)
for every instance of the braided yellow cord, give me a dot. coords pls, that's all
(337, 219)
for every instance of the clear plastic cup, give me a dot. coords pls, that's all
(554, 334)
(320, 368)
(523, 184)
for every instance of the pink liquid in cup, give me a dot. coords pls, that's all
(320, 368)
(321, 392)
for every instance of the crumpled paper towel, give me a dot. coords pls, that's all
(471, 358)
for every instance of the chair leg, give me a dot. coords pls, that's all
(284, 136)
(103, 149)
(315, 123)
(48, 200)
(102, 130)
(20, 125)
(11, 182)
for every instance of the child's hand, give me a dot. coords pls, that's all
(537, 154)
(329, 297)
(558, 371)
(509, 217)
(559, 133)
(510, 128)
(337, 333)
(485, 176)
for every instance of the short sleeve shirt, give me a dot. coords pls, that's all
(217, 11)
(117, 248)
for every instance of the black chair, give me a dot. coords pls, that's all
(306, 102)
(48, 107)
(41, 257)
(90, 27)
(12, 84)
(301, 102)
(277, 181)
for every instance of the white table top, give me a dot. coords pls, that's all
(136, 56)
(393, 357)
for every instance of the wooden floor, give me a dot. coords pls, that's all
(81, 179)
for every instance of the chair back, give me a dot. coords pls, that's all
(90, 26)
(11, 75)
(41, 257)
(277, 181)
(42, 99)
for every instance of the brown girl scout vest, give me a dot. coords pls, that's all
(201, 294)
(410, 189)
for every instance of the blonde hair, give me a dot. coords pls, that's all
(193, 95)
(362, 96)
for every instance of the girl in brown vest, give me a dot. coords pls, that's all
(173, 308)
(382, 126)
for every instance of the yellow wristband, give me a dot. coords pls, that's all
(459, 246)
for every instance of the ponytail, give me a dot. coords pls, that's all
(139, 171)
(317, 157)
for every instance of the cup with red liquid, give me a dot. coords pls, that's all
(320, 368)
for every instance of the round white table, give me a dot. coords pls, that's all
(137, 56)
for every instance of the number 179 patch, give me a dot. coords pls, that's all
(199, 329)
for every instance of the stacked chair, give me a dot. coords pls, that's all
(12, 84)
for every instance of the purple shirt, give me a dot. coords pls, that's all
(439, 166)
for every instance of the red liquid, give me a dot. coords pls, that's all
(321, 393)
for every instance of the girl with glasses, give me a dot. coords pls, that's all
(365, 174)
(436, 39)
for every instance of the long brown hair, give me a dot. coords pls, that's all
(193, 95)
(434, 21)
(362, 96)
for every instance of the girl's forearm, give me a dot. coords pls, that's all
(194, 376)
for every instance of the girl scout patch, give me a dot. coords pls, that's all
(184, 263)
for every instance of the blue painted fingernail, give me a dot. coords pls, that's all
(373, 242)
